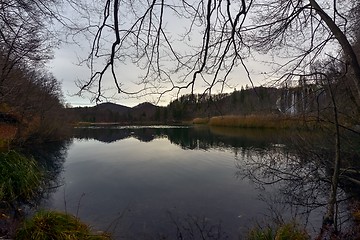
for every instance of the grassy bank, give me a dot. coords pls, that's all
(20, 177)
(285, 231)
(253, 121)
(56, 226)
(21, 181)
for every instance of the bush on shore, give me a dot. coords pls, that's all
(7, 134)
(200, 121)
(285, 231)
(56, 226)
(20, 177)
(255, 121)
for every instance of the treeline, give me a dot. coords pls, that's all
(258, 100)
(307, 98)
(187, 107)
(31, 102)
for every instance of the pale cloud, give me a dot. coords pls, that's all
(66, 69)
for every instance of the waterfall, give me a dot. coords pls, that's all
(292, 103)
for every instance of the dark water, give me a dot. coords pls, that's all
(146, 182)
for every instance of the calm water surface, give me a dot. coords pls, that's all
(148, 181)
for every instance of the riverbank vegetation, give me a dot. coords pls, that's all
(257, 121)
(56, 226)
(284, 231)
(31, 100)
(315, 85)
(22, 183)
(20, 177)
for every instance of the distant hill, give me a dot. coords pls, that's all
(145, 110)
(187, 107)
(258, 100)
(112, 112)
(108, 106)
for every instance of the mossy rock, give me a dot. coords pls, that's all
(46, 225)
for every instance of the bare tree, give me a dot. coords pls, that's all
(174, 43)
(143, 33)
(27, 89)
(299, 33)
(304, 32)
(29, 31)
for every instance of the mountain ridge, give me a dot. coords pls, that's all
(113, 112)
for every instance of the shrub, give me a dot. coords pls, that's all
(287, 231)
(7, 134)
(256, 121)
(20, 177)
(56, 226)
(261, 234)
(200, 121)
(291, 231)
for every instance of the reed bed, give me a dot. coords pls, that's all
(200, 121)
(256, 121)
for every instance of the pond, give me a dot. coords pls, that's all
(146, 182)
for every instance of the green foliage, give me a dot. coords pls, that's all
(287, 231)
(261, 234)
(46, 225)
(177, 109)
(291, 231)
(20, 177)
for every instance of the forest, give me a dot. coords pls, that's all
(311, 49)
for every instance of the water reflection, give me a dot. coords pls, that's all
(198, 137)
(302, 173)
(151, 180)
(302, 185)
(50, 159)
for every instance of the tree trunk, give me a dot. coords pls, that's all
(343, 41)
(329, 218)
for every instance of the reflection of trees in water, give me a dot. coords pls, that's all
(51, 158)
(113, 134)
(106, 135)
(300, 164)
(193, 227)
(187, 137)
(219, 138)
(302, 174)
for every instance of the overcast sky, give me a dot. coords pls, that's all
(66, 69)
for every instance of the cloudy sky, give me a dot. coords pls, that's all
(65, 67)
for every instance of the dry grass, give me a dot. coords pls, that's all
(57, 226)
(256, 121)
(7, 134)
(200, 121)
